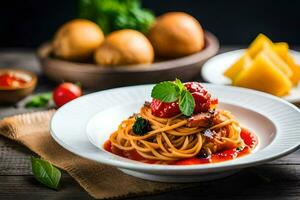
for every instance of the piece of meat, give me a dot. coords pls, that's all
(219, 117)
(147, 104)
(201, 120)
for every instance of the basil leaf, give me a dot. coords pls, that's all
(165, 91)
(45, 172)
(179, 85)
(186, 103)
(40, 100)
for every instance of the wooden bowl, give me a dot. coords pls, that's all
(10, 94)
(99, 77)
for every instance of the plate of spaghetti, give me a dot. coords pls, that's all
(178, 132)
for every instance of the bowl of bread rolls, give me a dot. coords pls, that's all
(174, 45)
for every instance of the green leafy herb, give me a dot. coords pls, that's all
(45, 173)
(165, 91)
(38, 101)
(113, 15)
(179, 84)
(168, 91)
(141, 126)
(186, 103)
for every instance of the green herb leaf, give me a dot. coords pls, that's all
(165, 91)
(168, 92)
(113, 15)
(40, 100)
(141, 126)
(45, 173)
(179, 85)
(186, 103)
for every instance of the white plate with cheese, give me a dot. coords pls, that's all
(213, 71)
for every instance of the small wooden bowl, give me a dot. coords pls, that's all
(99, 77)
(15, 94)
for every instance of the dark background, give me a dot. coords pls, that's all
(28, 23)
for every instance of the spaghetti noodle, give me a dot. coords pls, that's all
(173, 139)
(190, 127)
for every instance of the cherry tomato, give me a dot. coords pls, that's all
(66, 92)
(195, 87)
(164, 110)
(203, 102)
(201, 96)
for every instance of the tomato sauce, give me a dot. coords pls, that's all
(249, 138)
(133, 155)
(9, 80)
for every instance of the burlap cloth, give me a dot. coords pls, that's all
(100, 181)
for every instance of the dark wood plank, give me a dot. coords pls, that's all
(14, 158)
(264, 182)
(26, 187)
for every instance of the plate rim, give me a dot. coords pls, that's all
(222, 166)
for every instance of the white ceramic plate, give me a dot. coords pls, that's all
(213, 69)
(83, 125)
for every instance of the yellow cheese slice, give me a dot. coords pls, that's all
(277, 60)
(258, 44)
(238, 66)
(282, 49)
(265, 76)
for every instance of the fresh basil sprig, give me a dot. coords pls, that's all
(45, 173)
(40, 100)
(168, 91)
(186, 103)
(165, 91)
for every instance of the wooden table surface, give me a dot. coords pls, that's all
(279, 179)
